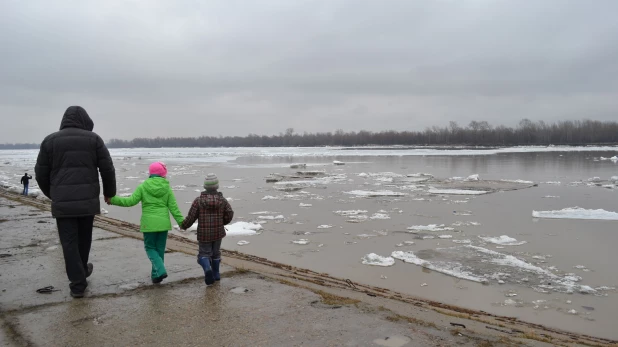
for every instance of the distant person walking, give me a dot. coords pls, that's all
(25, 180)
(67, 171)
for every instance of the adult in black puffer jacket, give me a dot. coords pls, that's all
(67, 171)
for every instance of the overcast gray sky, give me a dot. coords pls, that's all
(231, 67)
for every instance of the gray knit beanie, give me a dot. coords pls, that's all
(211, 182)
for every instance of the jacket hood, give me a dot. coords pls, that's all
(76, 117)
(211, 200)
(157, 186)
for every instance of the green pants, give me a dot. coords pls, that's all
(154, 243)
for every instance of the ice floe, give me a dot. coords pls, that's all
(242, 243)
(377, 260)
(304, 205)
(324, 226)
(445, 236)
(430, 227)
(465, 224)
(301, 242)
(551, 197)
(472, 178)
(380, 216)
(466, 241)
(350, 212)
(375, 193)
(456, 191)
(517, 181)
(448, 268)
(263, 212)
(503, 240)
(240, 229)
(577, 213)
(271, 217)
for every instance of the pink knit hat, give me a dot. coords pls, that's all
(158, 168)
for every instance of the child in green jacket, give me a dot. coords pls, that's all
(158, 201)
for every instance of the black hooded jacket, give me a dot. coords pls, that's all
(66, 168)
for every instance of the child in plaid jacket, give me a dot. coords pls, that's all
(212, 212)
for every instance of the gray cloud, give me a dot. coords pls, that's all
(189, 68)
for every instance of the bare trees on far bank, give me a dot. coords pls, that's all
(479, 133)
(476, 133)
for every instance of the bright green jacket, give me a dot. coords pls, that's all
(157, 200)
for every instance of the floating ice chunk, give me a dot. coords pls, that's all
(263, 212)
(614, 179)
(304, 205)
(408, 242)
(453, 269)
(466, 241)
(270, 197)
(52, 248)
(324, 226)
(471, 178)
(456, 191)
(377, 260)
(242, 243)
(350, 212)
(104, 211)
(357, 218)
(240, 229)
(420, 174)
(456, 178)
(132, 177)
(271, 217)
(551, 197)
(380, 216)
(595, 179)
(503, 240)
(230, 187)
(301, 242)
(576, 213)
(518, 181)
(446, 236)
(430, 227)
(424, 285)
(465, 224)
(573, 312)
(419, 199)
(428, 237)
(375, 193)
(337, 162)
(553, 182)
(363, 174)
(614, 158)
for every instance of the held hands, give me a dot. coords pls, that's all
(108, 200)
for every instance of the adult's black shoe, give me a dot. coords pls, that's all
(77, 295)
(89, 270)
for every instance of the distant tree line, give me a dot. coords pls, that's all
(476, 133)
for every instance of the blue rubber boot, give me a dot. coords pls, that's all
(215, 269)
(208, 275)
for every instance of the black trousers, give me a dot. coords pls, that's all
(76, 238)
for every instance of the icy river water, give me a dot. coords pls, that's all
(388, 217)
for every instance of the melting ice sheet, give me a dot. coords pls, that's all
(377, 260)
(502, 240)
(576, 213)
(480, 264)
(456, 191)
